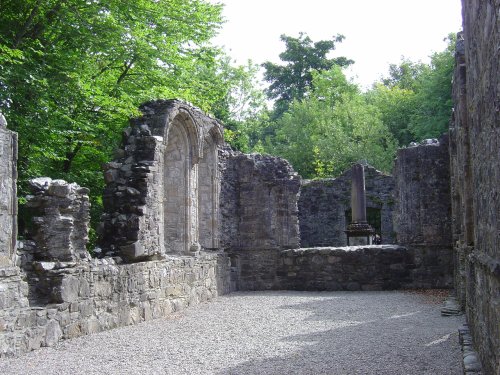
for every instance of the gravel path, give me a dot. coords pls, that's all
(269, 333)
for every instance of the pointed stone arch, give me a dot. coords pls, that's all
(152, 196)
(209, 190)
(180, 185)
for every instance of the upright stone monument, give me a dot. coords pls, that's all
(359, 232)
(8, 199)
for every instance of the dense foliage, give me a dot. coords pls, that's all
(72, 72)
(335, 126)
(415, 99)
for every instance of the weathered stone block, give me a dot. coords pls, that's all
(61, 222)
(53, 333)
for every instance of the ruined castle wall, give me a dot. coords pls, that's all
(8, 198)
(381, 267)
(475, 145)
(258, 215)
(376, 267)
(323, 205)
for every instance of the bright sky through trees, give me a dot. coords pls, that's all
(377, 32)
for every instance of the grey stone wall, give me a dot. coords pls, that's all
(99, 294)
(258, 203)
(258, 215)
(8, 193)
(323, 205)
(475, 145)
(59, 292)
(155, 191)
(61, 214)
(375, 267)
(422, 194)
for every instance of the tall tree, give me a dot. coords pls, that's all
(293, 80)
(396, 106)
(404, 75)
(333, 127)
(433, 100)
(415, 98)
(72, 72)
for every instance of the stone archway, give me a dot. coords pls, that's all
(153, 192)
(180, 188)
(208, 197)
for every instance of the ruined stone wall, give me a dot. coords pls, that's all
(164, 180)
(258, 215)
(475, 145)
(375, 267)
(423, 209)
(323, 205)
(422, 194)
(99, 294)
(261, 191)
(61, 214)
(381, 267)
(8, 193)
(68, 294)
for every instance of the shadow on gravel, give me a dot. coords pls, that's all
(371, 336)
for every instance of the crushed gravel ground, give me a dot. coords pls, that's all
(270, 333)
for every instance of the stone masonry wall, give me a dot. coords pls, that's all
(258, 214)
(323, 205)
(151, 201)
(475, 146)
(8, 197)
(375, 267)
(61, 214)
(68, 295)
(423, 210)
(99, 294)
(259, 202)
(422, 194)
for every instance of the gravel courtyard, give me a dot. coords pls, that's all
(270, 333)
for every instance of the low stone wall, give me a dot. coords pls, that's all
(97, 295)
(375, 267)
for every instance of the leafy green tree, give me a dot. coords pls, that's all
(335, 126)
(415, 99)
(73, 72)
(243, 110)
(396, 106)
(433, 100)
(293, 80)
(404, 76)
